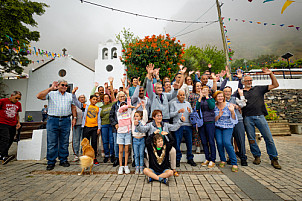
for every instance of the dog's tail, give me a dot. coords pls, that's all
(86, 161)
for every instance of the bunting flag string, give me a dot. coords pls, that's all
(228, 42)
(265, 23)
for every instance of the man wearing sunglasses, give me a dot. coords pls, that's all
(60, 109)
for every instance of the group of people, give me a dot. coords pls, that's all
(153, 116)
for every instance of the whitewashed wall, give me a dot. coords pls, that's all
(101, 74)
(18, 85)
(39, 80)
(283, 83)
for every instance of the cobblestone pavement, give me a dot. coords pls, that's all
(28, 180)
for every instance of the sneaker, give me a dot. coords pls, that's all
(50, 167)
(121, 170)
(205, 163)
(106, 159)
(244, 163)
(211, 164)
(96, 162)
(64, 164)
(116, 162)
(177, 163)
(191, 162)
(198, 150)
(112, 158)
(76, 159)
(126, 168)
(257, 160)
(6, 159)
(137, 170)
(275, 163)
(141, 170)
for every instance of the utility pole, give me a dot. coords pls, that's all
(223, 36)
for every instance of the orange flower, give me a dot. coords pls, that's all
(179, 41)
(184, 45)
(169, 69)
(126, 70)
(123, 50)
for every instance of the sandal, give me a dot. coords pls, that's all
(222, 164)
(175, 173)
(234, 168)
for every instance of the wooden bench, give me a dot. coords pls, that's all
(27, 128)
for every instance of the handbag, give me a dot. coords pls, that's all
(196, 118)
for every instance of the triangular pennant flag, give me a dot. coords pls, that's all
(243, 20)
(264, 24)
(291, 26)
(298, 28)
(258, 22)
(281, 25)
(286, 4)
(251, 22)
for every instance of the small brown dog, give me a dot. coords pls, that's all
(88, 156)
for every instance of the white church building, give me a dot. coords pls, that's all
(73, 71)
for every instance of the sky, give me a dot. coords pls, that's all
(80, 27)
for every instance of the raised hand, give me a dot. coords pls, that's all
(183, 71)
(138, 81)
(231, 107)
(180, 66)
(222, 73)
(123, 80)
(131, 106)
(135, 122)
(239, 74)
(75, 90)
(189, 110)
(183, 118)
(96, 84)
(266, 71)
(106, 85)
(110, 79)
(213, 76)
(54, 86)
(176, 85)
(182, 110)
(209, 65)
(157, 131)
(197, 73)
(164, 133)
(191, 72)
(150, 68)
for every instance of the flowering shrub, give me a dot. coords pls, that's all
(272, 114)
(164, 52)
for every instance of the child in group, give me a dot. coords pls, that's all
(91, 120)
(158, 151)
(124, 132)
(138, 137)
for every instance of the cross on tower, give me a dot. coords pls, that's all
(64, 50)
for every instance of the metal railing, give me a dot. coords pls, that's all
(279, 73)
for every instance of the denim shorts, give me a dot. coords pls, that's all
(123, 138)
(158, 173)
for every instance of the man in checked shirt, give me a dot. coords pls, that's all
(60, 109)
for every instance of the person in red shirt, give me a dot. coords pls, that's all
(9, 122)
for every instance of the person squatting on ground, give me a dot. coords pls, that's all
(9, 122)
(60, 108)
(91, 121)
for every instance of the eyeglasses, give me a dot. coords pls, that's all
(159, 115)
(141, 90)
(64, 85)
(248, 80)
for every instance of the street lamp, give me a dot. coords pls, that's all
(287, 56)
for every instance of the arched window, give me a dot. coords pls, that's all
(113, 53)
(105, 53)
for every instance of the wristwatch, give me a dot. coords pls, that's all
(74, 117)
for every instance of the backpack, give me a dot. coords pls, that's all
(196, 118)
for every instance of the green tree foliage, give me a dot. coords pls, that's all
(15, 18)
(125, 37)
(198, 58)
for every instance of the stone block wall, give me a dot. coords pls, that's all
(287, 103)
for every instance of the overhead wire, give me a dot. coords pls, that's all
(197, 29)
(145, 16)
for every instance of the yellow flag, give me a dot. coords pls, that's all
(286, 4)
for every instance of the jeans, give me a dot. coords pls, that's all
(107, 138)
(58, 131)
(138, 149)
(224, 141)
(239, 136)
(76, 138)
(115, 145)
(261, 123)
(7, 134)
(185, 131)
(91, 134)
(207, 136)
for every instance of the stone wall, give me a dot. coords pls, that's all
(287, 103)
